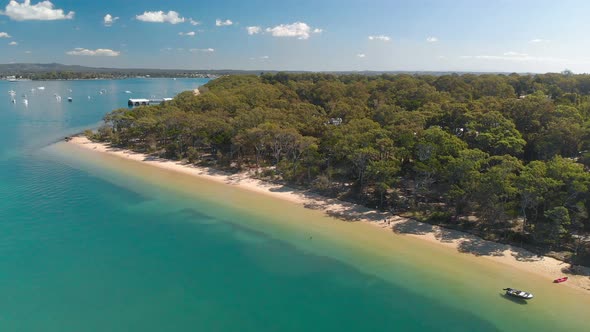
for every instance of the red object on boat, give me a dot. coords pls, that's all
(557, 281)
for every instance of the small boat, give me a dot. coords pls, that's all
(41, 88)
(128, 92)
(70, 99)
(560, 280)
(26, 102)
(518, 293)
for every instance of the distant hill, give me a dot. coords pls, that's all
(43, 68)
(38, 68)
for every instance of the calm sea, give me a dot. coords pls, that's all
(95, 243)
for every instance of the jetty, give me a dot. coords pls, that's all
(134, 102)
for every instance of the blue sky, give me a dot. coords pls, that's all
(521, 36)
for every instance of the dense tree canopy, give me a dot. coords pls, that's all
(509, 150)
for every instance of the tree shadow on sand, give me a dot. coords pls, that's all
(283, 189)
(446, 235)
(410, 226)
(352, 214)
(479, 247)
(343, 215)
(577, 270)
(525, 255)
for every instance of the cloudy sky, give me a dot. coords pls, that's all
(439, 35)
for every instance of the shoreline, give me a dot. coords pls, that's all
(518, 258)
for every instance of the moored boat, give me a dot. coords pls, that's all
(518, 293)
(560, 280)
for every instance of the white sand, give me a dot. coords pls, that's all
(518, 258)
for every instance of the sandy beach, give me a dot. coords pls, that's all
(467, 244)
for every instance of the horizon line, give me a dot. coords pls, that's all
(291, 70)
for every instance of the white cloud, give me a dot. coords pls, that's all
(97, 52)
(361, 55)
(298, 29)
(28, 52)
(109, 20)
(317, 30)
(205, 50)
(13, 43)
(190, 33)
(171, 17)
(193, 22)
(253, 30)
(538, 40)
(432, 39)
(221, 23)
(41, 11)
(380, 37)
(4, 35)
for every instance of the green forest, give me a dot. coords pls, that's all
(502, 156)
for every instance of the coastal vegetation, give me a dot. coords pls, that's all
(502, 156)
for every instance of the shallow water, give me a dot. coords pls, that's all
(90, 242)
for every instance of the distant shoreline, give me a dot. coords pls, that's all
(518, 258)
(99, 79)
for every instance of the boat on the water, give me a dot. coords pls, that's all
(13, 79)
(518, 293)
(70, 99)
(560, 280)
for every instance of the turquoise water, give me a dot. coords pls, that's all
(86, 247)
